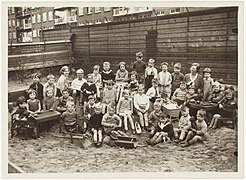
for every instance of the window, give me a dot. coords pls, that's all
(34, 33)
(39, 32)
(10, 35)
(81, 24)
(50, 16)
(44, 17)
(107, 8)
(97, 10)
(160, 13)
(174, 10)
(98, 22)
(13, 22)
(88, 10)
(106, 20)
(14, 35)
(90, 23)
(38, 17)
(9, 23)
(81, 11)
(120, 11)
(34, 18)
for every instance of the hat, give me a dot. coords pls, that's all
(122, 63)
(91, 97)
(177, 65)
(207, 70)
(80, 71)
(164, 63)
(139, 54)
(151, 60)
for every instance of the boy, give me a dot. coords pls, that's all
(109, 93)
(89, 110)
(207, 83)
(150, 73)
(95, 125)
(177, 76)
(76, 86)
(88, 88)
(38, 87)
(139, 66)
(198, 134)
(107, 74)
(180, 93)
(165, 80)
(50, 101)
(63, 100)
(153, 92)
(50, 85)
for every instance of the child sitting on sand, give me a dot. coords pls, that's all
(63, 100)
(50, 85)
(50, 101)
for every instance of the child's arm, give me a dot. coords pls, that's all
(44, 104)
(175, 94)
(169, 81)
(39, 107)
(203, 130)
(147, 106)
(125, 79)
(135, 103)
(155, 73)
(118, 106)
(117, 78)
(119, 121)
(131, 106)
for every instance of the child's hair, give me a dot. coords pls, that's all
(31, 91)
(110, 82)
(36, 76)
(89, 75)
(96, 67)
(122, 63)
(183, 82)
(125, 91)
(164, 63)
(106, 63)
(63, 69)
(206, 70)
(157, 103)
(49, 90)
(98, 106)
(216, 83)
(69, 103)
(141, 86)
(229, 90)
(177, 66)
(134, 73)
(65, 90)
(139, 54)
(20, 100)
(201, 112)
(184, 108)
(91, 97)
(155, 80)
(191, 87)
(80, 71)
(151, 60)
(50, 76)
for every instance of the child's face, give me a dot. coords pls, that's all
(22, 105)
(229, 95)
(185, 112)
(32, 95)
(90, 79)
(193, 69)
(155, 85)
(139, 58)
(66, 73)
(51, 81)
(95, 71)
(133, 77)
(216, 88)
(122, 67)
(109, 86)
(126, 95)
(91, 101)
(80, 76)
(49, 93)
(98, 110)
(199, 117)
(176, 70)
(106, 67)
(70, 108)
(182, 86)
(111, 111)
(191, 91)
(140, 91)
(206, 75)
(157, 108)
(65, 94)
(35, 80)
(151, 64)
(164, 68)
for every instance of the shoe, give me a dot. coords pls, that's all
(138, 129)
(177, 141)
(186, 144)
(147, 128)
(133, 132)
(99, 144)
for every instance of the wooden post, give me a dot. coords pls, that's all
(187, 36)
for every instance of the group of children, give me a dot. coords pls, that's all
(105, 102)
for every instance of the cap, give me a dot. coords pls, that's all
(80, 71)
(207, 70)
(91, 97)
(139, 54)
(122, 63)
(177, 65)
(151, 60)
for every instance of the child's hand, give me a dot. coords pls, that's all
(220, 106)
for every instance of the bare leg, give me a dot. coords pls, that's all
(125, 122)
(140, 115)
(94, 135)
(131, 121)
(99, 136)
(182, 135)
(146, 120)
(189, 136)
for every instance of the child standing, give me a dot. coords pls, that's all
(97, 78)
(150, 73)
(139, 66)
(199, 134)
(141, 104)
(207, 83)
(107, 73)
(165, 80)
(38, 87)
(62, 82)
(50, 101)
(63, 100)
(153, 92)
(33, 104)
(125, 109)
(76, 86)
(133, 82)
(50, 85)
(95, 125)
(121, 78)
(180, 93)
(177, 77)
(88, 88)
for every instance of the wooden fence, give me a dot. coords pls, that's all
(208, 37)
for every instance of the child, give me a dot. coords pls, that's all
(177, 77)
(88, 88)
(62, 82)
(50, 85)
(139, 66)
(33, 104)
(184, 124)
(153, 92)
(107, 74)
(63, 100)
(89, 110)
(97, 78)
(150, 73)
(217, 94)
(38, 87)
(133, 82)
(198, 134)
(191, 96)
(109, 93)
(165, 80)
(121, 78)
(161, 129)
(95, 125)
(227, 105)
(141, 104)
(180, 93)
(111, 122)
(125, 109)
(207, 83)
(50, 101)
(69, 117)
(76, 86)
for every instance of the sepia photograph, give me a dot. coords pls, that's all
(132, 89)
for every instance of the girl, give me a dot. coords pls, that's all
(33, 104)
(133, 83)
(207, 83)
(50, 101)
(165, 80)
(107, 74)
(50, 85)
(97, 78)
(141, 104)
(217, 94)
(62, 82)
(150, 73)
(125, 109)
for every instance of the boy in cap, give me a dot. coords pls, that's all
(150, 73)
(177, 76)
(139, 66)
(207, 83)
(76, 86)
